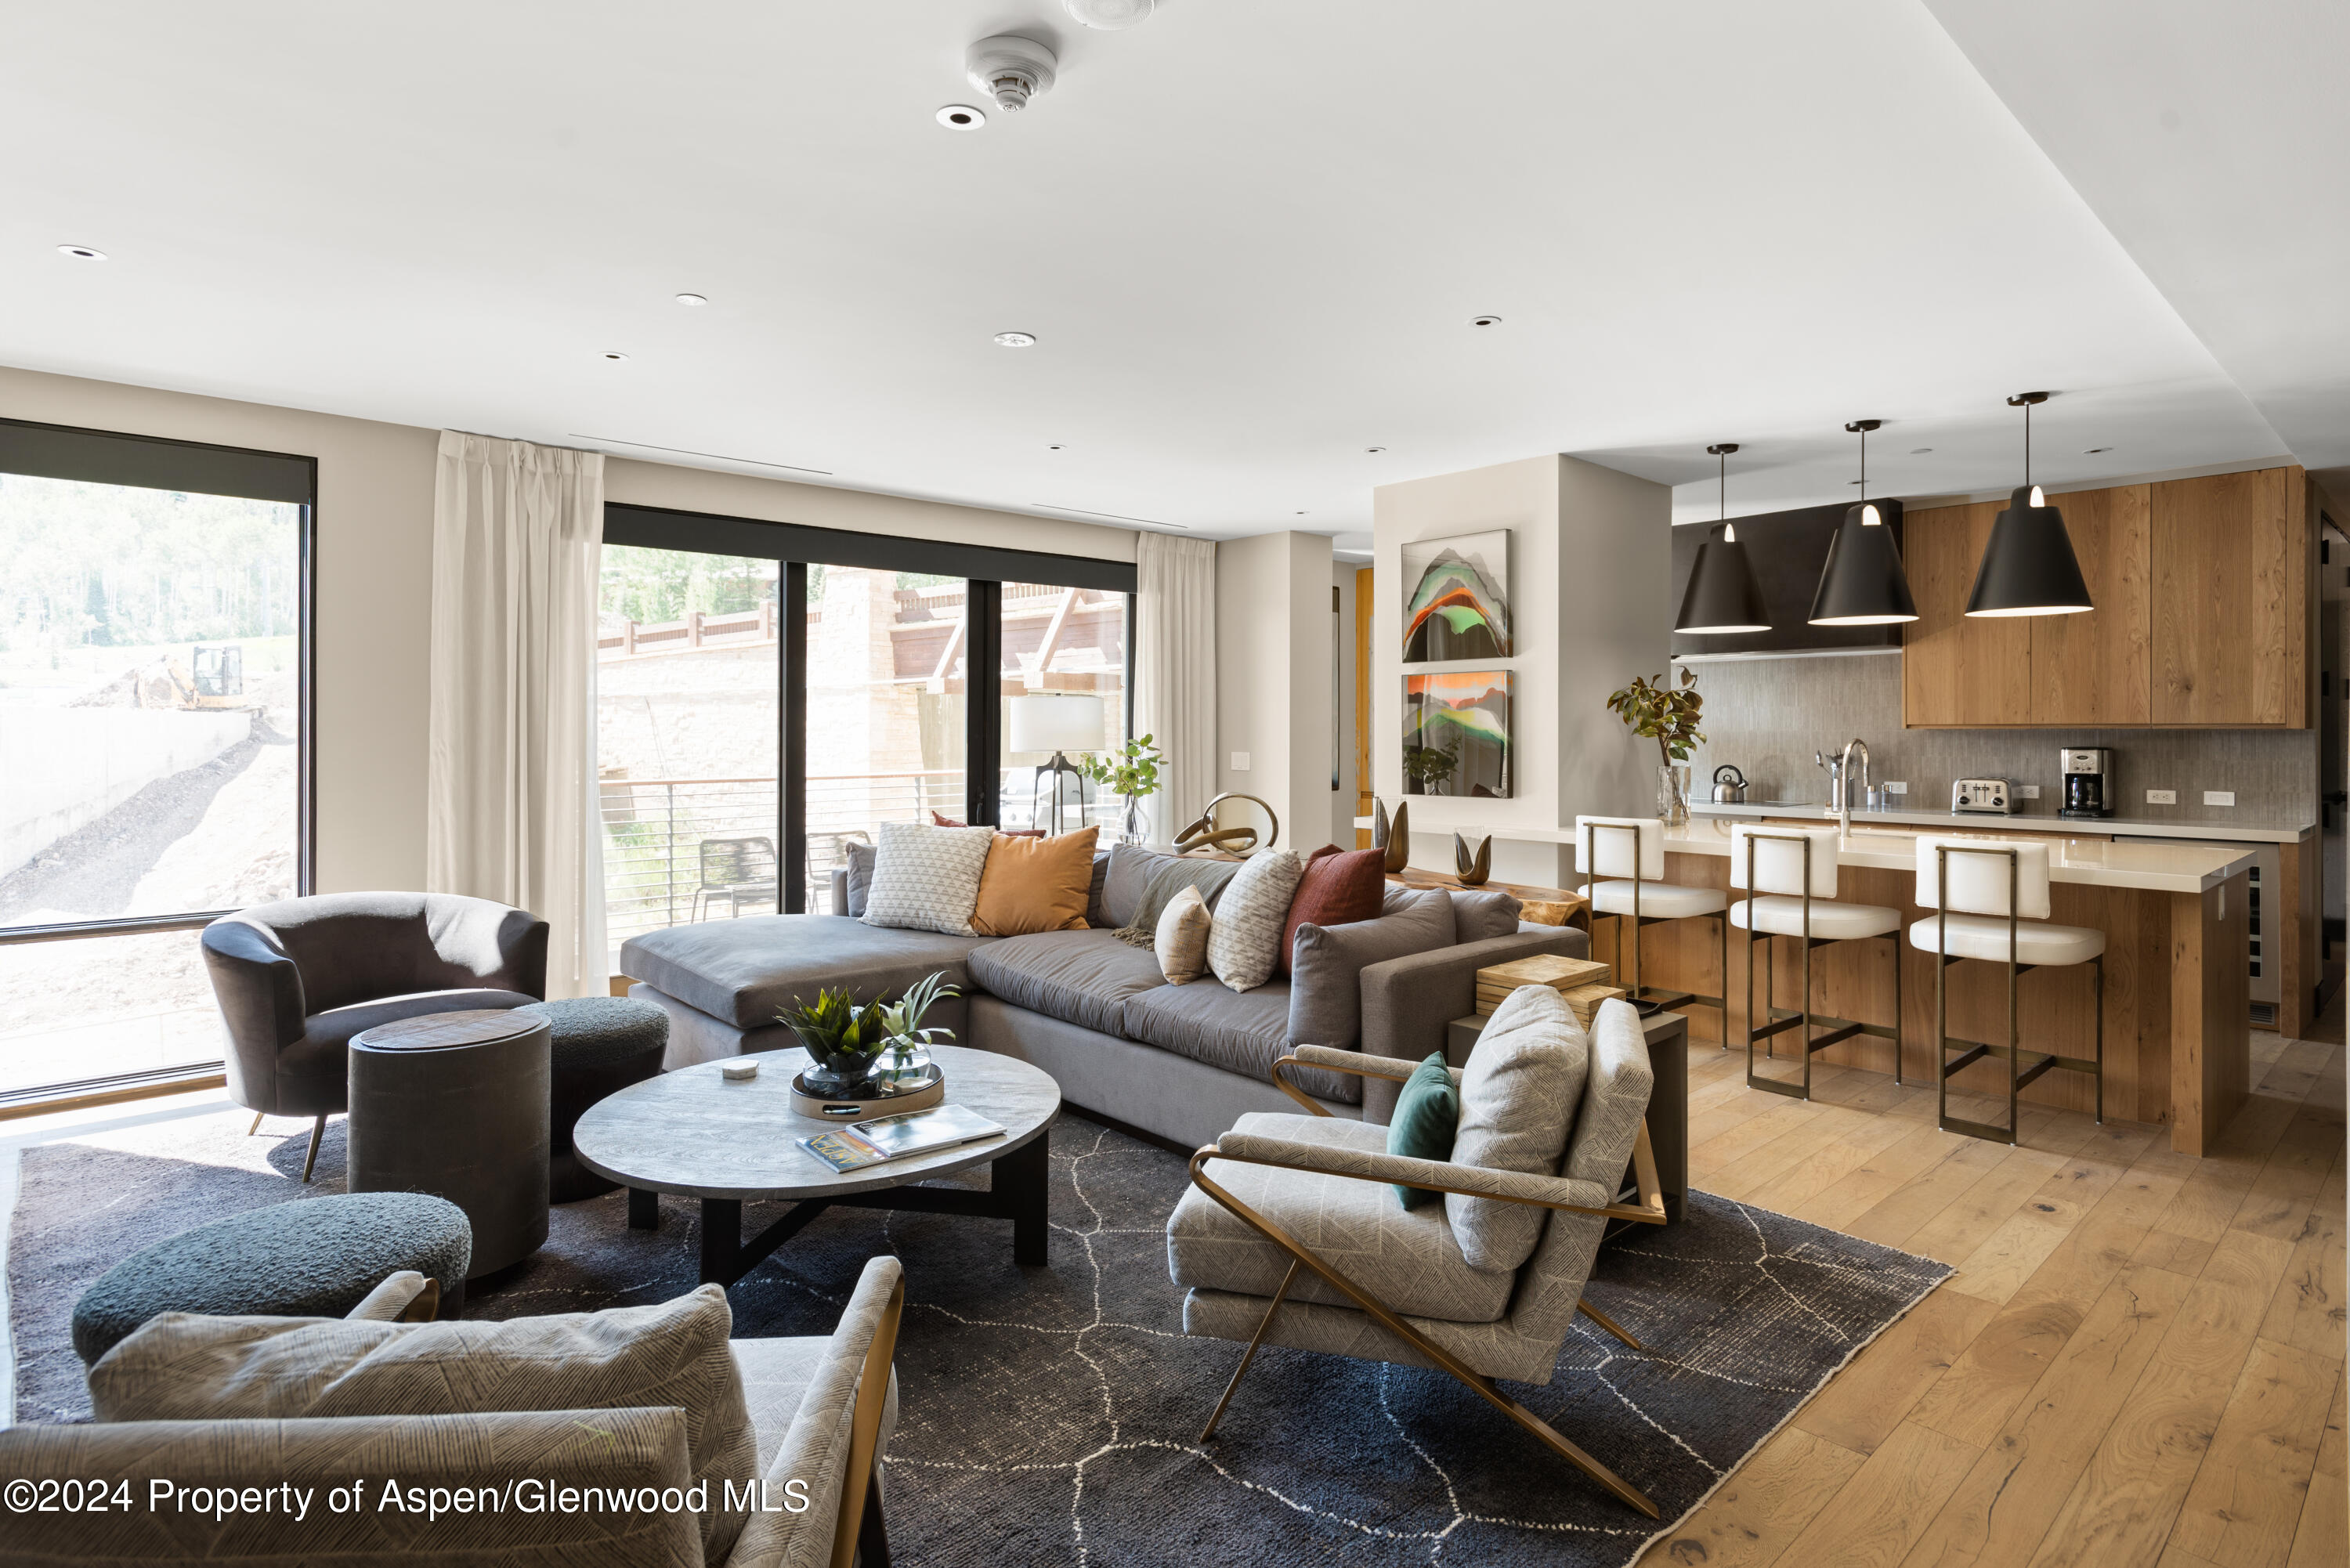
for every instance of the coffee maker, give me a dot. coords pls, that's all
(2088, 781)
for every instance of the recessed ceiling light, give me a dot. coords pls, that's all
(616, 358)
(1484, 321)
(1920, 451)
(960, 117)
(1016, 341)
(1375, 449)
(1052, 446)
(2096, 449)
(1301, 514)
(694, 299)
(82, 253)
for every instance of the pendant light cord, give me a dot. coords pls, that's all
(2027, 443)
(1722, 497)
(1864, 465)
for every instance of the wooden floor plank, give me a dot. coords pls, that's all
(1896, 1217)
(1879, 1515)
(2310, 1310)
(1750, 1522)
(2001, 1509)
(2323, 1540)
(2010, 1255)
(1866, 1401)
(2247, 1500)
(1966, 1224)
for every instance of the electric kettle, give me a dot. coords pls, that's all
(1728, 786)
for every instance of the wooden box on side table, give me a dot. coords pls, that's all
(1570, 975)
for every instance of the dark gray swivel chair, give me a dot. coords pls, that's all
(298, 978)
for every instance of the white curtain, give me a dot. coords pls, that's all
(512, 812)
(1175, 672)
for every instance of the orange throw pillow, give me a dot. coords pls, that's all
(1036, 884)
(1339, 886)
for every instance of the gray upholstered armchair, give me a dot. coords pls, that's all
(1291, 1235)
(298, 978)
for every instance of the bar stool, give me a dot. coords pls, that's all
(1790, 874)
(1632, 848)
(1990, 898)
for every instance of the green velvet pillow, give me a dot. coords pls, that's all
(1426, 1114)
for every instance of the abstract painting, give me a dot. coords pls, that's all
(1455, 734)
(1457, 597)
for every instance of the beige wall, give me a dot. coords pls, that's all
(1273, 679)
(374, 575)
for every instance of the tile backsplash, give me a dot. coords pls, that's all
(1770, 715)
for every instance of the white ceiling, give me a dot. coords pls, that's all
(1249, 237)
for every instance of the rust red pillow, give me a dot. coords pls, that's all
(1339, 886)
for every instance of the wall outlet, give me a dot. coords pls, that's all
(2162, 797)
(1240, 762)
(1896, 786)
(2027, 792)
(2218, 797)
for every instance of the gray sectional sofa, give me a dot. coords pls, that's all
(1182, 1062)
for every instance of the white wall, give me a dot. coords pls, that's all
(374, 575)
(1273, 679)
(1590, 568)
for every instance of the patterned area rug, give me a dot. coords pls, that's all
(1051, 1416)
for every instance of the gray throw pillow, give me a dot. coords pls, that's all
(1095, 913)
(182, 1366)
(1245, 942)
(860, 879)
(1519, 1095)
(1484, 912)
(1129, 872)
(1325, 966)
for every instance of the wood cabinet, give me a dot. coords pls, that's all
(2202, 620)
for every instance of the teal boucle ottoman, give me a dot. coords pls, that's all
(311, 1256)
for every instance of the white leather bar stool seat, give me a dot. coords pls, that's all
(1985, 937)
(1779, 915)
(1658, 900)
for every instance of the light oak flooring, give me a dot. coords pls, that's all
(2139, 1361)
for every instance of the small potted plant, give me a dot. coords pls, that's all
(1660, 711)
(844, 1036)
(1131, 771)
(907, 1063)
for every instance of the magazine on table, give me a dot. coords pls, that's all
(885, 1138)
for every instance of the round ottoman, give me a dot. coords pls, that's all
(312, 1257)
(455, 1104)
(601, 1045)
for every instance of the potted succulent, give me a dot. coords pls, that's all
(1131, 771)
(906, 1063)
(1658, 710)
(844, 1036)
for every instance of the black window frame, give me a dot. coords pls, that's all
(796, 546)
(39, 450)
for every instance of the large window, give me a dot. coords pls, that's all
(771, 695)
(152, 738)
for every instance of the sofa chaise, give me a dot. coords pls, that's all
(1180, 1062)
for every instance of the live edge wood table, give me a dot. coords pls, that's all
(695, 1135)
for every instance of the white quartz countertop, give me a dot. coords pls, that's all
(2022, 822)
(2099, 862)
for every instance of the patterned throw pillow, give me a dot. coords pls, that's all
(1181, 941)
(1519, 1096)
(927, 878)
(1245, 942)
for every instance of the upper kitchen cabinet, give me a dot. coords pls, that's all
(2201, 587)
(2231, 600)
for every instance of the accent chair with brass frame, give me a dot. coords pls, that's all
(1314, 1200)
(1790, 876)
(1631, 852)
(1990, 898)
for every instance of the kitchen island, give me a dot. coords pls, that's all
(2177, 1034)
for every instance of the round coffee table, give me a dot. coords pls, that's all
(694, 1134)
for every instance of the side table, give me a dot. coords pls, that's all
(1667, 1037)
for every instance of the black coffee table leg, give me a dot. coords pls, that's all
(1020, 1186)
(644, 1208)
(721, 1240)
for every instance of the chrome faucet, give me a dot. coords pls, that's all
(1845, 771)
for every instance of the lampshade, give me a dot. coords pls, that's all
(2029, 568)
(1863, 583)
(1723, 595)
(1055, 722)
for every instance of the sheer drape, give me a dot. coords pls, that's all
(1175, 672)
(517, 541)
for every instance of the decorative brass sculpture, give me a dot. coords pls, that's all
(1473, 869)
(1394, 837)
(1202, 832)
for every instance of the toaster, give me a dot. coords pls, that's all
(1993, 797)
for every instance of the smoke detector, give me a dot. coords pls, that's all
(1108, 15)
(1010, 69)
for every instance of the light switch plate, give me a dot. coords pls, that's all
(2027, 792)
(2162, 797)
(2218, 797)
(1240, 762)
(1896, 786)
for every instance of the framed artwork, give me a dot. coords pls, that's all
(1456, 733)
(1457, 599)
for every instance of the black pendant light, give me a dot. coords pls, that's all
(1723, 595)
(1863, 584)
(2029, 568)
